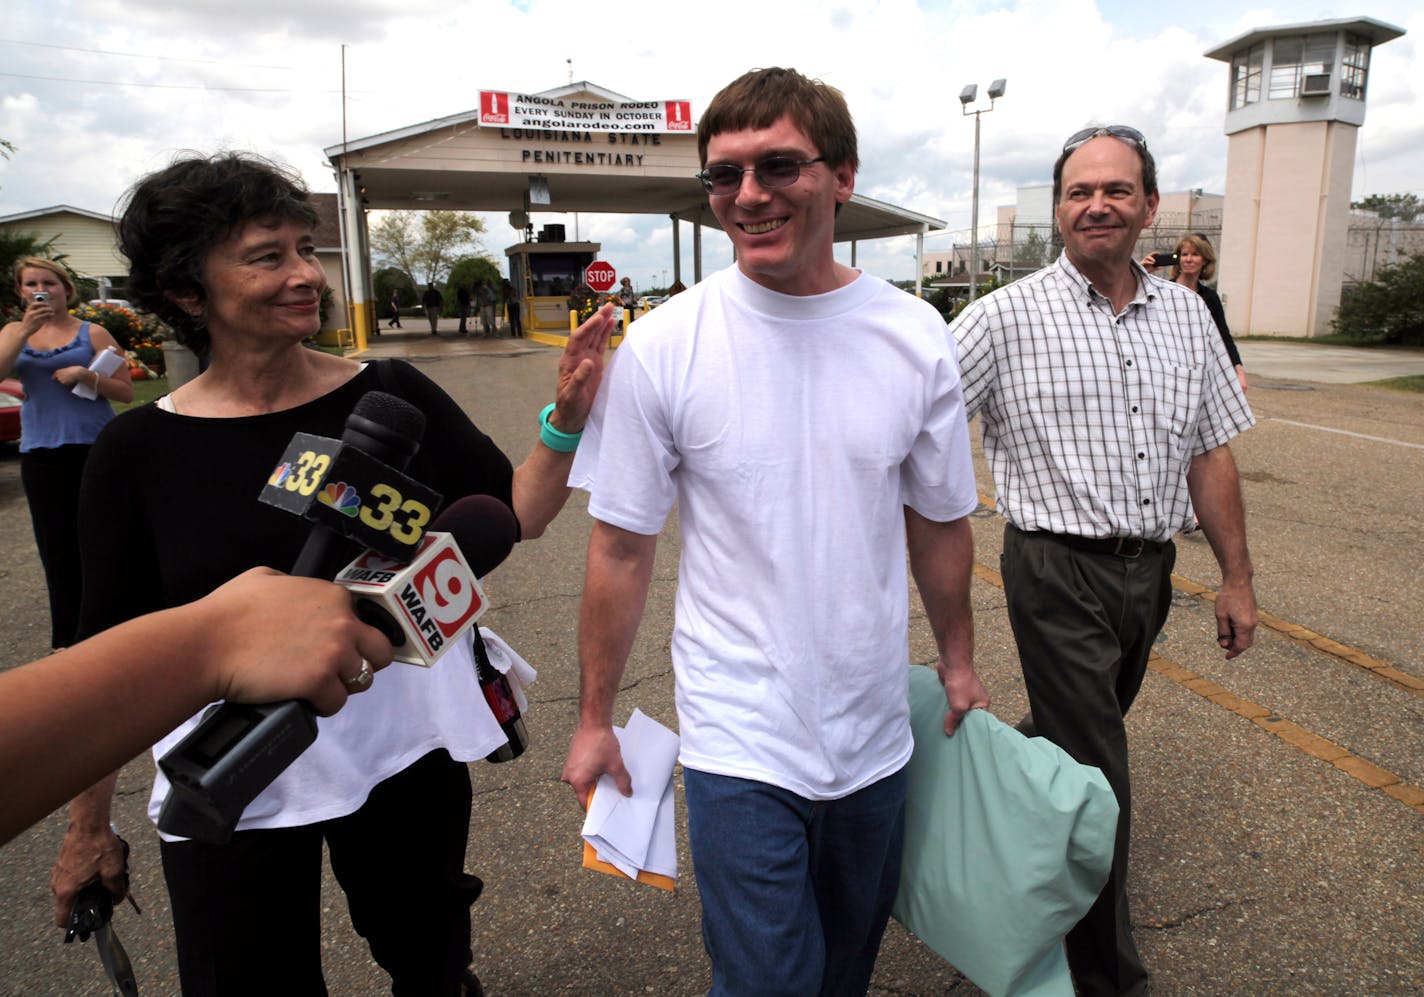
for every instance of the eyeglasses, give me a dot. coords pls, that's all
(1124, 132)
(772, 173)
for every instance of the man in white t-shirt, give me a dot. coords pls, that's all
(807, 420)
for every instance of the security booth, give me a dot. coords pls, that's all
(543, 273)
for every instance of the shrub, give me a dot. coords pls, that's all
(122, 324)
(150, 355)
(381, 283)
(1391, 310)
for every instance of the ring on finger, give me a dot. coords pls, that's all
(362, 678)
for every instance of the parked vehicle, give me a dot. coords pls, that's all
(12, 396)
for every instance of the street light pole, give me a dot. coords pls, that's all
(966, 97)
(974, 219)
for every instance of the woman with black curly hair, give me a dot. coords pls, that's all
(223, 249)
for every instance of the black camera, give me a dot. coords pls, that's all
(1164, 258)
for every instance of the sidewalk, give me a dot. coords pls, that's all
(1268, 359)
(410, 341)
(1326, 364)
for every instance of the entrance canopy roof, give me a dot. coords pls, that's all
(455, 163)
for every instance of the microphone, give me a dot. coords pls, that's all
(485, 528)
(352, 489)
(423, 606)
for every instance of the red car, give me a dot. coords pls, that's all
(11, 397)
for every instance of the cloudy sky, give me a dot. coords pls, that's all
(94, 93)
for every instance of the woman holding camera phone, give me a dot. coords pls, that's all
(50, 350)
(1192, 262)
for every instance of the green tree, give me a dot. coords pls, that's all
(1033, 251)
(1390, 310)
(467, 270)
(393, 240)
(424, 244)
(386, 278)
(1405, 207)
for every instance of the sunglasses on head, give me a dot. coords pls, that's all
(771, 173)
(1124, 132)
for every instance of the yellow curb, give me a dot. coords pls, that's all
(1188, 586)
(1241, 707)
(988, 574)
(1367, 772)
(1395, 675)
(1412, 796)
(1333, 647)
(1300, 634)
(1292, 733)
(1171, 670)
(1204, 687)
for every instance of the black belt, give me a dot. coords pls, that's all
(1119, 546)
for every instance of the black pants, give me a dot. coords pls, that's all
(1084, 624)
(51, 479)
(247, 914)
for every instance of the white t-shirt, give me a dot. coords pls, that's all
(790, 431)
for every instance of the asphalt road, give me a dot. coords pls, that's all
(1279, 815)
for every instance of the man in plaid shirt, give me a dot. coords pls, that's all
(1107, 401)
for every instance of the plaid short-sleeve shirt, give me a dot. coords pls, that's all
(1090, 417)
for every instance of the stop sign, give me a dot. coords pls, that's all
(600, 276)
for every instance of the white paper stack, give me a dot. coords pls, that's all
(104, 364)
(635, 834)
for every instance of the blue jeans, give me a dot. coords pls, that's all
(795, 893)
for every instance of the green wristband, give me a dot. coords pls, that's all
(559, 442)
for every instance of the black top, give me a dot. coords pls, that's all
(1213, 304)
(169, 509)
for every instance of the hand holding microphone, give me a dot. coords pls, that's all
(266, 636)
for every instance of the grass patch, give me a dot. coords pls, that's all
(145, 392)
(1410, 382)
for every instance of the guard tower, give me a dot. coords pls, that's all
(1295, 101)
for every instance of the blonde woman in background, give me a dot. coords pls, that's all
(50, 350)
(1196, 262)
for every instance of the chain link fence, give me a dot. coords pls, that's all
(1379, 242)
(1018, 249)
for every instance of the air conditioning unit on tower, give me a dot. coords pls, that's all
(1315, 85)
